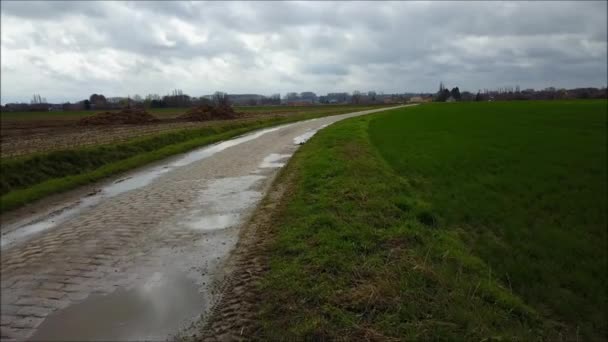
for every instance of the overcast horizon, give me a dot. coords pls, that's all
(66, 51)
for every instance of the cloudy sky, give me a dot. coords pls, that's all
(68, 50)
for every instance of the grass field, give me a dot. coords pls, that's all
(466, 221)
(27, 178)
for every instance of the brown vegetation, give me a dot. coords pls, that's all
(125, 116)
(207, 112)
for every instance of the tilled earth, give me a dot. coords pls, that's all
(24, 137)
(92, 274)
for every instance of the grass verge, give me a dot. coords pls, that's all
(29, 178)
(365, 248)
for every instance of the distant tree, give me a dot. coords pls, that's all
(372, 96)
(221, 99)
(152, 97)
(98, 100)
(177, 98)
(478, 96)
(275, 99)
(467, 96)
(37, 99)
(158, 104)
(356, 98)
(455, 93)
(87, 104)
(442, 94)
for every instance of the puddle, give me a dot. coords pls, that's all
(28, 230)
(224, 201)
(272, 160)
(24, 229)
(301, 139)
(218, 221)
(153, 310)
(211, 150)
(136, 181)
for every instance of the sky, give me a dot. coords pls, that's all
(66, 51)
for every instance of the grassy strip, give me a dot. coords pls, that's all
(26, 179)
(357, 256)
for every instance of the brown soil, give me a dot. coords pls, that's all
(23, 137)
(125, 116)
(207, 112)
(234, 315)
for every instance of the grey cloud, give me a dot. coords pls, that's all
(267, 47)
(326, 69)
(53, 10)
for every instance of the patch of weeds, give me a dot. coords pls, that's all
(428, 219)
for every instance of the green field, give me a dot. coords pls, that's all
(470, 221)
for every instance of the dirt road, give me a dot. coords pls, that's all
(137, 259)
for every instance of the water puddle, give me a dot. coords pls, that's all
(272, 160)
(153, 310)
(301, 139)
(211, 150)
(217, 221)
(25, 230)
(136, 181)
(223, 202)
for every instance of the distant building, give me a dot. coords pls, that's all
(337, 98)
(56, 108)
(300, 103)
(308, 96)
(419, 99)
(245, 99)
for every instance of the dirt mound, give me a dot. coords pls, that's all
(207, 112)
(125, 116)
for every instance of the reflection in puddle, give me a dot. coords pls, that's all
(301, 139)
(272, 160)
(218, 221)
(223, 202)
(131, 183)
(211, 150)
(32, 227)
(153, 310)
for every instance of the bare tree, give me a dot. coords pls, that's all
(356, 98)
(37, 99)
(221, 99)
